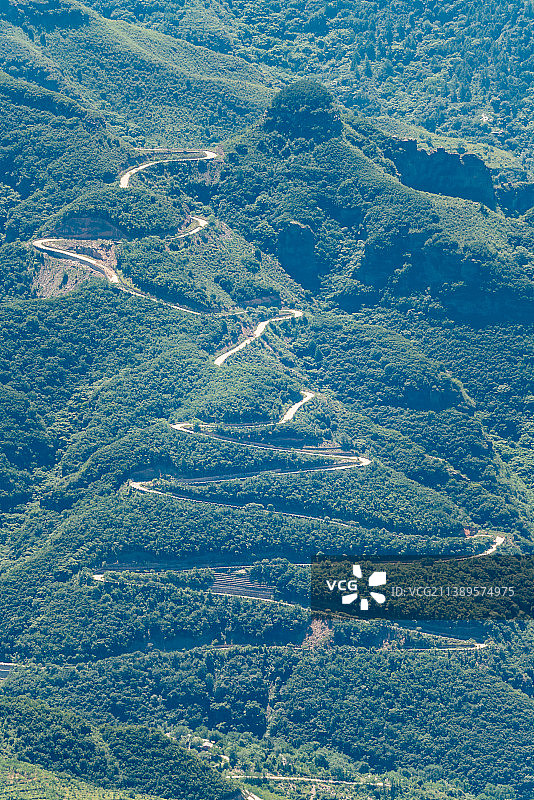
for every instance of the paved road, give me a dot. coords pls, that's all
(181, 155)
(258, 331)
(52, 247)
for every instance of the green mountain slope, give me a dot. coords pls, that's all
(132, 757)
(331, 212)
(456, 733)
(22, 781)
(316, 338)
(457, 68)
(48, 140)
(156, 88)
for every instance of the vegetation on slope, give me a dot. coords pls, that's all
(160, 90)
(90, 382)
(452, 67)
(22, 781)
(338, 217)
(125, 757)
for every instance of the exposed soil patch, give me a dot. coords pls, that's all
(54, 278)
(320, 633)
(58, 276)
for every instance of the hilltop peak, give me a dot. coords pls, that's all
(304, 109)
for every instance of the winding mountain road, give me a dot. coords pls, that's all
(54, 248)
(181, 155)
(290, 413)
(51, 248)
(258, 331)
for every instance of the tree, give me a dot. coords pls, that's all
(304, 109)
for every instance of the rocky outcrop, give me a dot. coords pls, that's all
(516, 198)
(86, 227)
(296, 252)
(438, 171)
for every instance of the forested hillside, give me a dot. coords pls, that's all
(139, 79)
(266, 293)
(457, 68)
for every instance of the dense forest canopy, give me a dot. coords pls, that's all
(304, 108)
